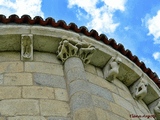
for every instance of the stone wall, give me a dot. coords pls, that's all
(39, 90)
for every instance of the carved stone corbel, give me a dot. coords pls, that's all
(111, 69)
(70, 47)
(27, 47)
(139, 89)
(157, 110)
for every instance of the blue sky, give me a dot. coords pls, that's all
(133, 23)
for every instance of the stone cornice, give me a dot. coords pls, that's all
(47, 39)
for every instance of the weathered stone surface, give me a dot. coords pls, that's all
(112, 116)
(54, 108)
(58, 118)
(38, 92)
(81, 100)
(19, 107)
(124, 103)
(1, 79)
(11, 67)
(9, 56)
(84, 114)
(90, 68)
(46, 57)
(18, 79)
(2, 118)
(127, 96)
(61, 94)
(27, 47)
(101, 82)
(49, 80)
(75, 74)
(101, 114)
(77, 86)
(119, 110)
(101, 102)
(26, 118)
(10, 92)
(73, 62)
(44, 68)
(99, 72)
(101, 92)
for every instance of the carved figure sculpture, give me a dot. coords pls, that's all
(69, 47)
(26, 47)
(113, 69)
(141, 89)
(157, 110)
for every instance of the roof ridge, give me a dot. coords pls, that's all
(26, 19)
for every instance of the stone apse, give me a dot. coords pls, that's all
(53, 71)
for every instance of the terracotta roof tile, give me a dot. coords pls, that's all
(26, 19)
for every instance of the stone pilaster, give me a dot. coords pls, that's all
(73, 54)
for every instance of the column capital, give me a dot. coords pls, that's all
(70, 47)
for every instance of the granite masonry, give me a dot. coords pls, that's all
(49, 73)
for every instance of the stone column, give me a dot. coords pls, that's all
(73, 54)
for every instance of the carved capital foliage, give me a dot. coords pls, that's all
(111, 70)
(27, 47)
(70, 47)
(139, 89)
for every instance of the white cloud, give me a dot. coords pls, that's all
(21, 7)
(101, 18)
(154, 27)
(156, 56)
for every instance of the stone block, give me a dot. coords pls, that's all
(124, 103)
(75, 74)
(49, 80)
(84, 114)
(126, 95)
(101, 114)
(101, 82)
(101, 92)
(41, 67)
(9, 56)
(46, 57)
(18, 79)
(26, 118)
(2, 118)
(54, 108)
(10, 92)
(81, 100)
(20, 107)
(73, 62)
(11, 67)
(90, 68)
(99, 72)
(77, 86)
(119, 110)
(101, 103)
(1, 79)
(38, 92)
(58, 118)
(112, 116)
(61, 94)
